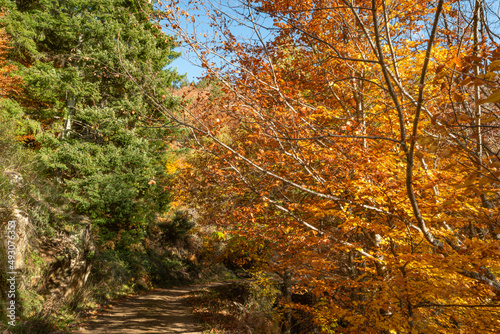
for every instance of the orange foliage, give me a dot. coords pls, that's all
(9, 84)
(361, 143)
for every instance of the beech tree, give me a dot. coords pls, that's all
(359, 139)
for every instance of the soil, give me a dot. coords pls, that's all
(158, 311)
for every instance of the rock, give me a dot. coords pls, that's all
(66, 258)
(68, 273)
(22, 231)
(14, 177)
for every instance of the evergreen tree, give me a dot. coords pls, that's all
(97, 132)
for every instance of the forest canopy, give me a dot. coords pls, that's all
(358, 140)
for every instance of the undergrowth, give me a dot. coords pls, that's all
(239, 307)
(165, 257)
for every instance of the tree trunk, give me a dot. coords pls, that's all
(287, 298)
(71, 115)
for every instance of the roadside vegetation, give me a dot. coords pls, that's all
(83, 160)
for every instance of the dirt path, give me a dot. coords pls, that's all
(160, 311)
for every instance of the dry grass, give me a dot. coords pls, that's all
(234, 308)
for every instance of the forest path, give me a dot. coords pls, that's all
(158, 311)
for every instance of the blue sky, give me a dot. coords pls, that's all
(185, 67)
(187, 64)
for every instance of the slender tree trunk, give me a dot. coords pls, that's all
(66, 130)
(71, 114)
(477, 107)
(479, 135)
(287, 298)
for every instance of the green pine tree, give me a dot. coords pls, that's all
(98, 134)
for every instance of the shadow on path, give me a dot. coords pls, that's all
(160, 311)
